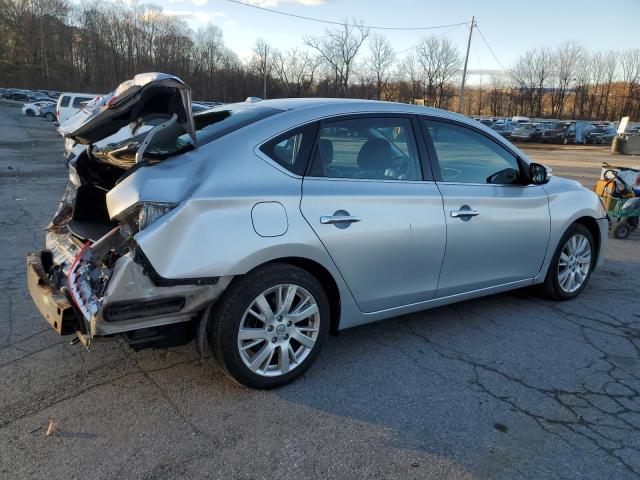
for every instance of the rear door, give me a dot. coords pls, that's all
(381, 223)
(497, 225)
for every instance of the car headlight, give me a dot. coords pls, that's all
(143, 214)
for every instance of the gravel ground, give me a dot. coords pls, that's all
(509, 386)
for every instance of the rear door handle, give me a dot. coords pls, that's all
(337, 219)
(464, 213)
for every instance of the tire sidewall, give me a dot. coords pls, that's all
(225, 326)
(622, 231)
(552, 282)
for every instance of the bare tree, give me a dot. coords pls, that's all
(630, 70)
(338, 49)
(295, 70)
(262, 59)
(410, 70)
(440, 62)
(531, 73)
(380, 61)
(563, 65)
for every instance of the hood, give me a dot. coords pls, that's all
(146, 94)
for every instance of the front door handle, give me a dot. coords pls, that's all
(464, 212)
(337, 219)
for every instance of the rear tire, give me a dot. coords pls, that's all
(269, 354)
(49, 117)
(568, 273)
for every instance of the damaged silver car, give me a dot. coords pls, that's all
(273, 223)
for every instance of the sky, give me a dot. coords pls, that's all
(509, 27)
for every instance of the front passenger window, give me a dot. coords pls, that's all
(467, 156)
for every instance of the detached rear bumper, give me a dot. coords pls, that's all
(53, 305)
(132, 300)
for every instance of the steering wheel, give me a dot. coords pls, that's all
(399, 167)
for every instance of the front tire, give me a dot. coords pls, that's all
(49, 117)
(571, 265)
(270, 326)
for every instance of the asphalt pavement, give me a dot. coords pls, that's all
(504, 387)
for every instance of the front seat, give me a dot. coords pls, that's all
(374, 158)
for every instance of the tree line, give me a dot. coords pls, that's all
(93, 46)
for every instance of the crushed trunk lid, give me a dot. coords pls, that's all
(146, 94)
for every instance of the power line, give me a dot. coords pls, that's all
(437, 36)
(330, 22)
(489, 47)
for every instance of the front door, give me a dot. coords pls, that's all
(382, 225)
(497, 227)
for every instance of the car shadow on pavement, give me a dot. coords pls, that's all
(497, 382)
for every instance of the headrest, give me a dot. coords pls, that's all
(375, 155)
(325, 150)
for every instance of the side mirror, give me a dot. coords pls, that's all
(539, 174)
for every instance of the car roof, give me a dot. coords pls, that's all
(354, 105)
(74, 94)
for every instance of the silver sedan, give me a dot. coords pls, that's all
(273, 223)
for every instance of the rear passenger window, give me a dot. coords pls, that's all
(367, 148)
(291, 150)
(65, 101)
(78, 101)
(467, 156)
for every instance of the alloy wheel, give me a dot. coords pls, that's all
(574, 263)
(278, 330)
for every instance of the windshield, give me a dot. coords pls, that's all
(210, 125)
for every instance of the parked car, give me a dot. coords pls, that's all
(555, 134)
(504, 129)
(33, 109)
(600, 135)
(526, 132)
(19, 95)
(257, 221)
(48, 112)
(71, 103)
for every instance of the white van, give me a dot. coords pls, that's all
(71, 103)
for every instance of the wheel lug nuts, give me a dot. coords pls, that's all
(286, 336)
(270, 328)
(274, 339)
(289, 323)
(279, 318)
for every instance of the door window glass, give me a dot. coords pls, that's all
(79, 101)
(65, 101)
(368, 148)
(467, 156)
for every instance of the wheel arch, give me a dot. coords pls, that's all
(325, 278)
(592, 225)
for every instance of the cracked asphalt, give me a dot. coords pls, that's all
(510, 386)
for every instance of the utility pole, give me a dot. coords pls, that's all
(466, 59)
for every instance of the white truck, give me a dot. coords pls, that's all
(71, 103)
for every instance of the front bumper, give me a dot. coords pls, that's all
(603, 226)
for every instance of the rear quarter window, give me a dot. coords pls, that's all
(65, 101)
(292, 149)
